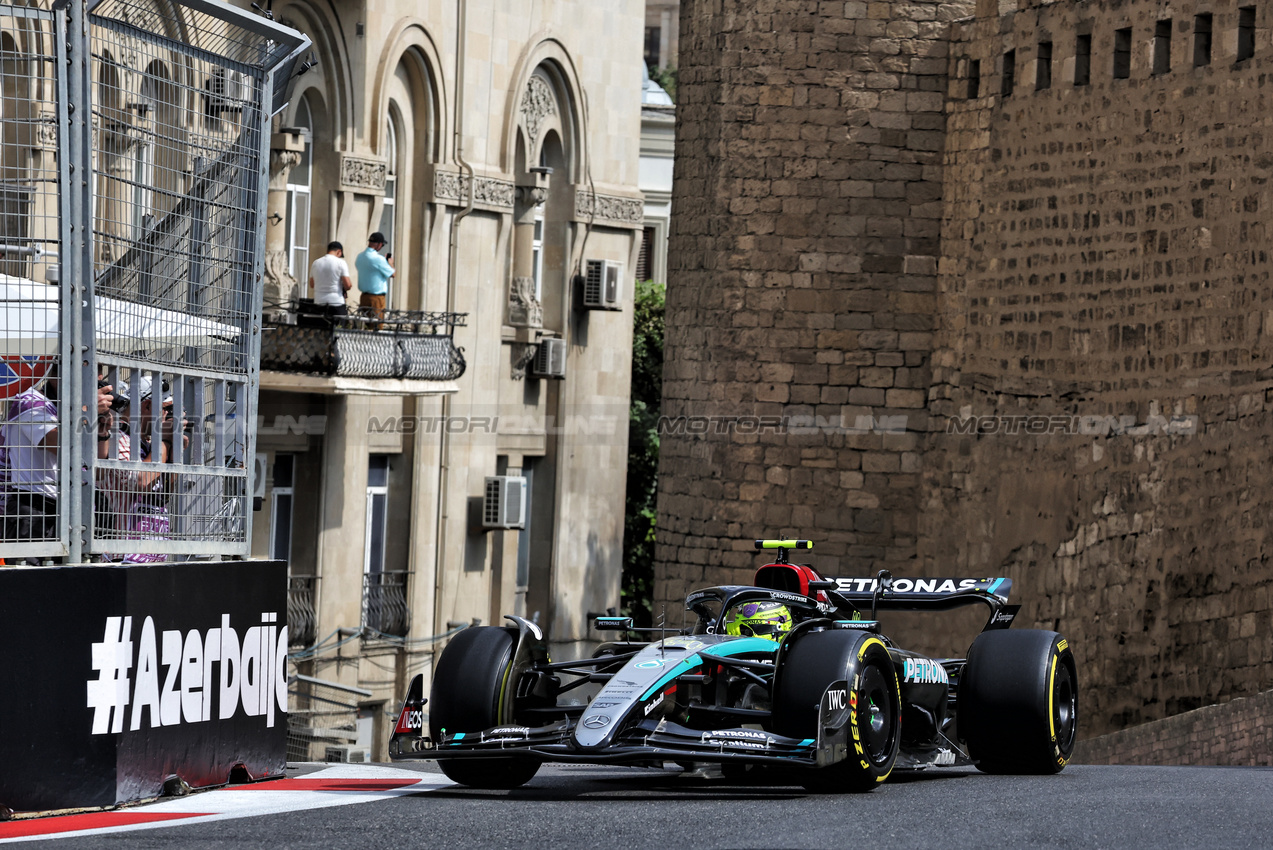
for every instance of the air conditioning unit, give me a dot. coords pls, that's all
(602, 288)
(550, 358)
(260, 468)
(504, 505)
(348, 754)
(226, 91)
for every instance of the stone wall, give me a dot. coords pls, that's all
(1105, 270)
(1239, 732)
(1080, 345)
(802, 268)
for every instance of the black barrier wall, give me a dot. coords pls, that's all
(117, 678)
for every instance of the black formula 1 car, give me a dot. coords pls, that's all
(792, 672)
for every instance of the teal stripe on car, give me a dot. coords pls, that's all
(733, 647)
(995, 586)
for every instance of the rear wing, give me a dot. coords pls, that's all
(934, 594)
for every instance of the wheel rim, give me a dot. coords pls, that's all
(877, 730)
(1064, 707)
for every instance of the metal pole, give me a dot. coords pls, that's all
(78, 356)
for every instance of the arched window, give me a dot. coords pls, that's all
(143, 148)
(299, 182)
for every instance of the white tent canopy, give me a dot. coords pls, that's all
(30, 321)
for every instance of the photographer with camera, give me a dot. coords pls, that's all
(138, 501)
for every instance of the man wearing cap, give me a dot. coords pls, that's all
(374, 272)
(139, 500)
(329, 280)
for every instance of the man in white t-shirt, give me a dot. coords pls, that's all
(329, 280)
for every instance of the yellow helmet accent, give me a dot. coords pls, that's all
(769, 620)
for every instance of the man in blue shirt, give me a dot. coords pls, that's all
(374, 272)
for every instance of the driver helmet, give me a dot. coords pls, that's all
(759, 619)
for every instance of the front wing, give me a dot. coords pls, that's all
(645, 742)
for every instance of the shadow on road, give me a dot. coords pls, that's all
(617, 785)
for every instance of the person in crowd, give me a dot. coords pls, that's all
(329, 281)
(138, 501)
(30, 436)
(374, 272)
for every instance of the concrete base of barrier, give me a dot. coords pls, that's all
(119, 679)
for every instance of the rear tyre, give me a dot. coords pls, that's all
(1018, 701)
(471, 693)
(814, 662)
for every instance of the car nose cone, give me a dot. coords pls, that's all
(597, 721)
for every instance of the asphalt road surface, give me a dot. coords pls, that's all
(633, 809)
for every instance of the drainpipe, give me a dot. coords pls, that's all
(444, 439)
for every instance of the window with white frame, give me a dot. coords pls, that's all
(377, 513)
(537, 256)
(281, 507)
(143, 179)
(299, 183)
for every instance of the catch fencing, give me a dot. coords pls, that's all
(134, 147)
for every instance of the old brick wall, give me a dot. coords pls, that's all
(1238, 732)
(802, 269)
(1105, 254)
(1094, 302)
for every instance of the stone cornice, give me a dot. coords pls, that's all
(363, 174)
(492, 193)
(609, 210)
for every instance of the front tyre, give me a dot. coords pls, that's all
(819, 659)
(1018, 702)
(472, 691)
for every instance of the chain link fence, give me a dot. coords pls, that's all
(134, 148)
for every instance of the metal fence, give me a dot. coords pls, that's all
(133, 157)
(323, 721)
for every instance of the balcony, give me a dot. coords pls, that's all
(384, 603)
(398, 344)
(302, 617)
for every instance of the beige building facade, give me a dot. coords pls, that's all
(496, 145)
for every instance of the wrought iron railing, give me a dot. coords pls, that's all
(390, 344)
(384, 603)
(302, 613)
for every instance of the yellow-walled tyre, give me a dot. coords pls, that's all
(1018, 702)
(471, 692)
(812, 663)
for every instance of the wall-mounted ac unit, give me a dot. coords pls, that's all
(260, 468)
(226, 90)
(602, 285)
(550, 358)
(504, 505)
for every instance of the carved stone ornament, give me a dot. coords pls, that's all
(46, 131)
(538, 103)
(609, 208)
(279, 285)
(363, 175)
(532, 196)
(451, 188)
(281, 164)
(524, 309)
(523, 354)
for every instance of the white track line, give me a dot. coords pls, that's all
(254, 801)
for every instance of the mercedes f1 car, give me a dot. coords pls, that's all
(792, 672)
